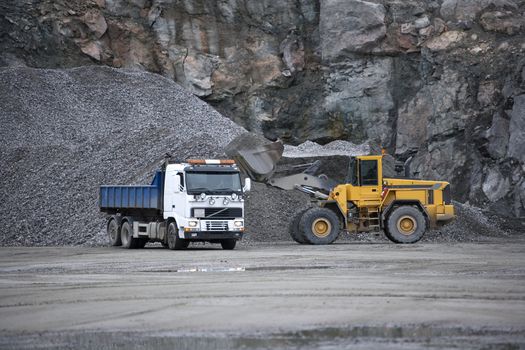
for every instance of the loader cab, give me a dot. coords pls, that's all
(365, 177)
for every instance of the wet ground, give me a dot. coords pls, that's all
(282, 296)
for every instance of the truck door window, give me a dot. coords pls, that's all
(368, 172)
(181, 180)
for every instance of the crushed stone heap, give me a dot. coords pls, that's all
(65, 132)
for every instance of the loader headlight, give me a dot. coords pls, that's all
(237, 223)
(192, 223)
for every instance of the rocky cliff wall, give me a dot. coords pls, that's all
(441, 83)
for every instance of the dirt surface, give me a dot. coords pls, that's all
(286, 296)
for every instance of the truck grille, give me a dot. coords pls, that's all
(220, 213)
(216, 225)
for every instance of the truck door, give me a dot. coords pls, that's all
(369, 174)
(173, 192)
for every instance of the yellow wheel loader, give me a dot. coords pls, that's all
(403, 208)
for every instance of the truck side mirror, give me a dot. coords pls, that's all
(247, 185)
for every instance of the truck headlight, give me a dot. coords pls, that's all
(234, 196)
(225, 201)
(192, 223)
(237, 223)
(203, 196)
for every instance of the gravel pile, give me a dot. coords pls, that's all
(65, 132)
(334, 148)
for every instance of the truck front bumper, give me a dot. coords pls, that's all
(212, 235)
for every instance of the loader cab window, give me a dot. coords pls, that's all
(368, 172)
(352, 172)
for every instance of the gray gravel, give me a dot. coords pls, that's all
(65, 132)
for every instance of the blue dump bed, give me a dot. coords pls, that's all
(132, 197)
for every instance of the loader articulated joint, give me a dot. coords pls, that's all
(311, 191)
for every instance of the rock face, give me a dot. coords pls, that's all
(441, 81)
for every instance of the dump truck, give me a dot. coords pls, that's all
(403, 208)
(196, 200)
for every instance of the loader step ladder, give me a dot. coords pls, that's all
(370, 214)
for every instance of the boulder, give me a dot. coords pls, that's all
(412, 121)
(517, 130)
(487, 93)
(198, 69)
(498, 136)
(96, 22)
(495, 186)
(506, 22)
(422, 22)
(445, 40)
(350, 26)
(468, 10)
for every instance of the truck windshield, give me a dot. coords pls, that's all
(213, 183)
(352, 172)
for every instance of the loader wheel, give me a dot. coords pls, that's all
(126, 236)
(174, 242)
(293, 227)
(406, 224)
(319, 226)
(228, 244)
(113, 232)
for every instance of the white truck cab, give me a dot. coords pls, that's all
(196, 200)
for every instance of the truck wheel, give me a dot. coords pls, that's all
(293, 227)
(405, 224)
(126, 236)
(228, 244)
(319, 226)
(113, 232)
(174, 242)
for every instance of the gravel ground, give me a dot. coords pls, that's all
(65, 132)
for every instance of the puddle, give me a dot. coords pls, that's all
(240, 269)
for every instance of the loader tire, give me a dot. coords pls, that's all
(126, 236)
(293, 227)
(406, 224)
(319, 226)
(113, 232)
(174, 242)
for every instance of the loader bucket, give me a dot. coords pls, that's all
(256, 157)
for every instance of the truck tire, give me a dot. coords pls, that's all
(113, 232)
(228, 244)
(174, 242)
(293, 227)
(126, 236)
(406, 224)
(319, 226)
